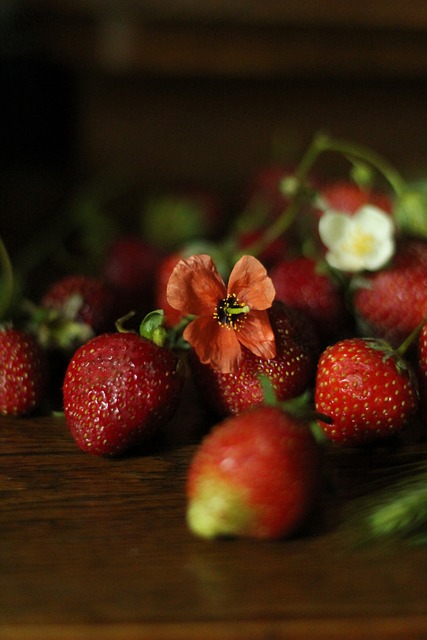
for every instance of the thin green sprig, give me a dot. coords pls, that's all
(7, 281)
(323, 143)
(397, 513)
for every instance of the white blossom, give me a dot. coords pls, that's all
(357, 242)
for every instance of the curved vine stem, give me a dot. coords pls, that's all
(7, 281)
(320, 144)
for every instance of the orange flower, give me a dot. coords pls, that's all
(226, 317)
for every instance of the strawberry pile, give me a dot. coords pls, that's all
(302, 324)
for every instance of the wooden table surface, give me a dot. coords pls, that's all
(99, 548)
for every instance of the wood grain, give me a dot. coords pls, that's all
(93, 547)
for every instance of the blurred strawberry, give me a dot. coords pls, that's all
(83, 299)
(256, 475)
(301, 284)
(347, 197)
(392, 302)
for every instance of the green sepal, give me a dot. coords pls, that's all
(362, 174)
(410, 212)
(152, 327)
(268, 394)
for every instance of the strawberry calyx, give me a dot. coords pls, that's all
(152, 327)
(300, 407)
(54, 329)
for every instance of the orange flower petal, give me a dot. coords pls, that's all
(195, 286)
(257, 335)
(213, 344)
(250, 282)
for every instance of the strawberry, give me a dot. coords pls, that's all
(366, 388)
(347, 197)
(392, 302)
(119, 390)
(291, 371)
(255, 475)
(301, 285)
(23, 372)
(130, 266)
(84, 299)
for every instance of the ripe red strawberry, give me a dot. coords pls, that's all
(84, 299)
(23, 372)
(130, 267)
(290, 372)
(300, 284)
(255, 475)
(366, 388)
(119, 390)
(392, 302)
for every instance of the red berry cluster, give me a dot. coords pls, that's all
(342, 343)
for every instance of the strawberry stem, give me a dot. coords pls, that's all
(7, 289)
(121, 322)
(410, 339)
(322, 143)
(355, 151)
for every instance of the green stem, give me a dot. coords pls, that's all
(322, 143)
(8, 281)
(410, 339)
(360, 152)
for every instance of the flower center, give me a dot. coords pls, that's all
(230, 313)
(360, 243)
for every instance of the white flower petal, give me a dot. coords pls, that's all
(362, 241)
(381, 256)
(333, 226)
(374, 220)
